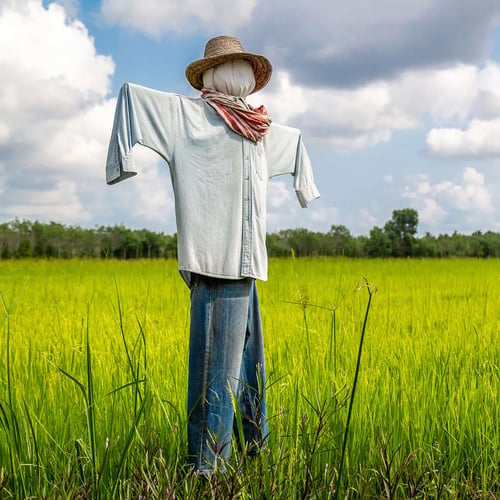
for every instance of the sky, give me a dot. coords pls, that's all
(398, 103)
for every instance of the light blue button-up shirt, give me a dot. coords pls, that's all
(219, 178)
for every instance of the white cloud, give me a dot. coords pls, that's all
(487, 103)
(284, 100)
(366, 219)
(481, 134)
(153, 195)
(364, 116)
(343, 118)
(468, 200)
(48, 49)
(156, 17)
(325, 216)
(439, 94)
(2, 177)
(349, 119)
(281, 205)
(430, 212)
(278, 193)
(4, 133)
(59, 203)
(284, 211)
(70, 6)
(55, 117)
(284, 218)
(481, 138)
(470, 196)
(80, 142)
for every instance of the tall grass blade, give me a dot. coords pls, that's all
(7, 350)
(130, 362)
(238, 418)
(34, 440)
(91, 409)
(128, 442)
(354, 384)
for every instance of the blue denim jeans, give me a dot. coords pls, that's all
(226, 355)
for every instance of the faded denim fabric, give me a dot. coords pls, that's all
(226, 357)
(219, 178)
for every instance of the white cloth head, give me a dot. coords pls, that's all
(234, 78)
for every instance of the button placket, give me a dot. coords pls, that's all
(246, 251)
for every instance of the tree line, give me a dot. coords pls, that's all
(23, 239)
(397, 238)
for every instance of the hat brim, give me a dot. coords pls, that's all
(261, 67)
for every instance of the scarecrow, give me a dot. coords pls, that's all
(221, 153)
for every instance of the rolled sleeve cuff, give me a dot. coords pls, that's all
(307, 194)
(120, 171)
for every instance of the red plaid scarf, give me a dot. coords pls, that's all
(252, 123)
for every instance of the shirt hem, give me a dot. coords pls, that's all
(186, 275)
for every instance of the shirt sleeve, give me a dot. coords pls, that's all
(286, 154)
(142, 116)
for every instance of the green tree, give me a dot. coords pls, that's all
(426, 246)
(341, 240)
(378, 244)
(401, 230)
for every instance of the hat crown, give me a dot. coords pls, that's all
(222, 45)
(225, 48)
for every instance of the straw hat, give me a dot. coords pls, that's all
(225, 48)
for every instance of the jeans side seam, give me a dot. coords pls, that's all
(203, 401)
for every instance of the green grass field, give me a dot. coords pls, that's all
(93, 376)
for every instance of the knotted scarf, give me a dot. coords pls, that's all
(252, 123)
